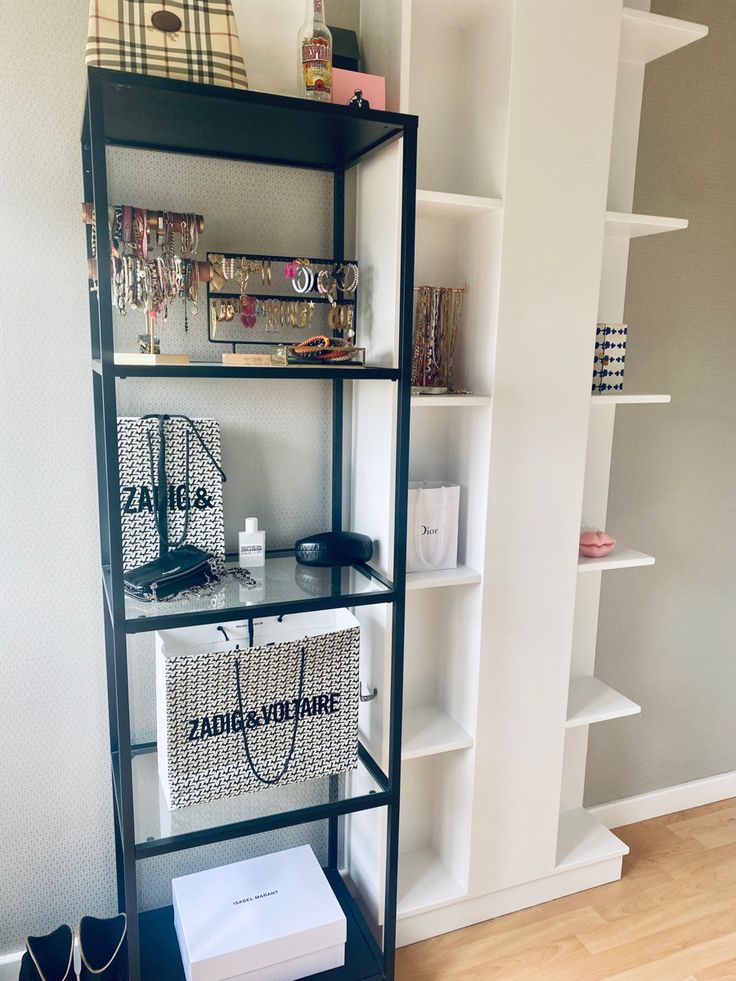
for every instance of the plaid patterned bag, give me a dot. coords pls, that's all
(193, 40)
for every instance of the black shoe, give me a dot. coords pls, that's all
(103, 949)
(49, 958)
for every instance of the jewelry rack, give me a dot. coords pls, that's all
(312, 297)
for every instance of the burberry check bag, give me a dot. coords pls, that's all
(277, 705)
(193, 40)
(191, 464)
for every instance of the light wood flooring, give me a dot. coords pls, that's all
(672, 917)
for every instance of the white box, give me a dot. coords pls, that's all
(273, 918)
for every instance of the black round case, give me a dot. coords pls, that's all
(334, 548)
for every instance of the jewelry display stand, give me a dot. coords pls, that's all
(151, 356)
(368, 493)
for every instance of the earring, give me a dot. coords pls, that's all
(324, 284)
(304, 282)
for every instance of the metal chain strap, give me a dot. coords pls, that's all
(219, 572)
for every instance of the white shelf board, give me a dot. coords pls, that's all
(429, 731)
(621, 557)
(646, 37)
(583, 840)
(591, 700)
(618, 398)
(440, 204)
(449, 401)
(620, 225)
(425, 883)
(463, 575)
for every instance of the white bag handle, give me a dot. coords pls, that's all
(440, 543)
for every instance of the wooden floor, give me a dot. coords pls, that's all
(672, 917)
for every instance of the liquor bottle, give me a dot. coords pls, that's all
(315, 55)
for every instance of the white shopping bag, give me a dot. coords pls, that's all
(434, 507)
(245, 706)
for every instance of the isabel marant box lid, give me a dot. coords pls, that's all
(252, 914)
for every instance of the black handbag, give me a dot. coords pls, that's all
(183, 568)
(180, 568)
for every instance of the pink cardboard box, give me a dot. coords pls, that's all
(344, 84)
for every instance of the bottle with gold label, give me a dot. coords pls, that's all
(315, 55)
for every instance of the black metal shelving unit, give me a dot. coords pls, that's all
(180, 117)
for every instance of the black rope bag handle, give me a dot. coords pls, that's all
(270, 781)
(161, 485)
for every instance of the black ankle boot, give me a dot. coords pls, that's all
(49, 958)
(103, 949)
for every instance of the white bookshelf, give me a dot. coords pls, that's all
(441, 204)
(621, 557)
(449, 401)
(425, 883)
(590, 700)
(646, 36)
(583, 840)
(619, 225)
(429, 731)
(619, 398)
(494, 743)
(463, 575)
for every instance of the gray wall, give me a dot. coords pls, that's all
(667, 635)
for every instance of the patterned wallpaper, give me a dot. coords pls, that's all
(666, 634)
(56, 845)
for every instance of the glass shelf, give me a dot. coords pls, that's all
(159, 830)
(284, 586)
(215, 369)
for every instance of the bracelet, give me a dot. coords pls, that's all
(127, 223)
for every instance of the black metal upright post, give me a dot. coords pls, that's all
(338, 423)
(108, 478)
(408, 215)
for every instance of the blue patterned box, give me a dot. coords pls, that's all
(609, 358)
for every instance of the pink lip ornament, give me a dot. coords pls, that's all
(596, 544)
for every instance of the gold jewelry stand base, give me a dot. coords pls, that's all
(249, 360)
(151, 359)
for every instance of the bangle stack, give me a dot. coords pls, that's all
(146, 271)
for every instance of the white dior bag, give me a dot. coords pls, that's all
(431, 533)
(193, 483)
(276, 702)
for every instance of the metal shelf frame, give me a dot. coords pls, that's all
(158, 114)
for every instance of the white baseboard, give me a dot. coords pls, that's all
(666, 801)
(465, 912)
(9, 966)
